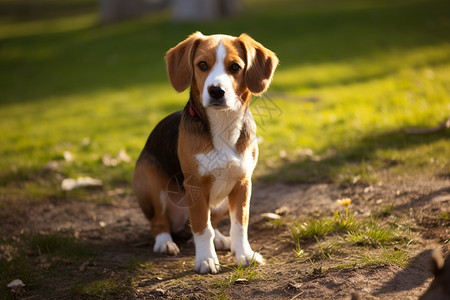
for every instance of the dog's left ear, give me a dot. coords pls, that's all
(261, 64)
(179, 62)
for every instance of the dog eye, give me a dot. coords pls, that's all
(203, 66)
(235, 67)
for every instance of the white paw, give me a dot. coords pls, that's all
(207, 265)
(221, 242)
(165, 245)
(247, 259)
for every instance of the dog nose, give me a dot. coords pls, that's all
(216, 92)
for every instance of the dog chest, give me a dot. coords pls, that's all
(225, 166)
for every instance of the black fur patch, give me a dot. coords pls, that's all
(161, 147)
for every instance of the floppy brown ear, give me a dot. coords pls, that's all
(261, 64)
(179, 62)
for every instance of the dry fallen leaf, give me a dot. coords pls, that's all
(270, 216)
(69, 184)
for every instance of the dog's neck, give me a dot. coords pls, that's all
(225, 126)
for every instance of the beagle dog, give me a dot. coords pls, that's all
(197, 163)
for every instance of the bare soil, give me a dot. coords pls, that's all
(122, 238)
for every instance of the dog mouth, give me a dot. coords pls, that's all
(218, 106)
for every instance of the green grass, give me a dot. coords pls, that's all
(374, 235)
(14, 264)
(60, 245)
(387, 256)
(240, 272)
(445, 216)
(349, 71)
(103, 288)
(345, 234)
(343, 221)
(25, 259)
(312, 228)
(138, 264)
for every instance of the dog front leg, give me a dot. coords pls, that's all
(205, 254)
(239, 204)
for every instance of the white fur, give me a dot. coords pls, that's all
(165, 244)
(226, 166)
(219, 77)
(240, 246)
(205, 255)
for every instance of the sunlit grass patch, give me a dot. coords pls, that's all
(247, 273)
(239, 275)
(312, 228)
(343, 221)
(374, 235)
(387, 256)
(345, 234)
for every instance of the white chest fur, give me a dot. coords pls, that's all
(223, 163)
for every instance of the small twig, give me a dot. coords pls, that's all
(299, 294)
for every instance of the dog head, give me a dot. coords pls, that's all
(223, 71)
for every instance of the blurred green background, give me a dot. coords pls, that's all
(352, 75)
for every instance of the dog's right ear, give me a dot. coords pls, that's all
(179, 62)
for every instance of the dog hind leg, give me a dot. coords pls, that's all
(150, 185)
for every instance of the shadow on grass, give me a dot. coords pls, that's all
(131, 53)
(355, 162)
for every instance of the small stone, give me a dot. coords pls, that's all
(294, 285)
(16, 283)
(270, 216)
(158, 292)
(241, 281)
(282, 210)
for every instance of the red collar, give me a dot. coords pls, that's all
(192, 110)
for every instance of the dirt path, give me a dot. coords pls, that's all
(121, 236)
